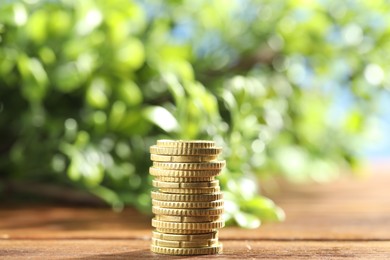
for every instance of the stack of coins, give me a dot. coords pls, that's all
(188, 203)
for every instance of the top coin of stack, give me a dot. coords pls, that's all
(188, 202)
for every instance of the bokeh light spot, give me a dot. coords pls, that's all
(374, 74)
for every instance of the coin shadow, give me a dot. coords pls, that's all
(140, 254)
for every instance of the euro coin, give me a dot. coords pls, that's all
(183, 231)
(186, 144)
(185, 219)
(191, 191)
(183, 173)
(190, 237)
(179, 179)
(186, 197)
(188, 212)
(184, 244)
(187, 251)
(182, 158)
(187, 205)
(185, 185)
(213, 165)
(188, 226)
(184, 151)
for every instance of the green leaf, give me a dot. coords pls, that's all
(130, 93)
(36, 27)
(131, 55)
(161, 117)
(67, 77)
(96, 94)
(246, 220)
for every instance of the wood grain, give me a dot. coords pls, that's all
(235, 249)
(347, 219)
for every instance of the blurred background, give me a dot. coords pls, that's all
(293, 90)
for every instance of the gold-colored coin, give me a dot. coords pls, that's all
(186, 197)
(183, 231)
(179, 237)
(183, 173)
(179, 179)
(182, 158)
(188, 226)
(184, 151)
(186, 144)
(187, 202)
(213, 165)
(185, 219)
(187, 205)
(185, 185)
(188, 212)
(184, 244)
(217, 249)
(191, 191)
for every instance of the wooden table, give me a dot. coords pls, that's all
(345, 219)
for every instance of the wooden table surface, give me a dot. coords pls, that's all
(347, 219)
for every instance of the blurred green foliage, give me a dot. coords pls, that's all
(87, 86)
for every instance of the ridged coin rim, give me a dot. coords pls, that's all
(184, 244)
(213, 165)
(188, 204)
(188, 212)
(185, 219)
(183, 231)
(186, 197)
(182, 158)
(217, 249)
(186, 143)
(154, 149)
(181, 237)
(184, 179)
(185, 185)
(183, 173)
(188, 226)
(191, 191)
